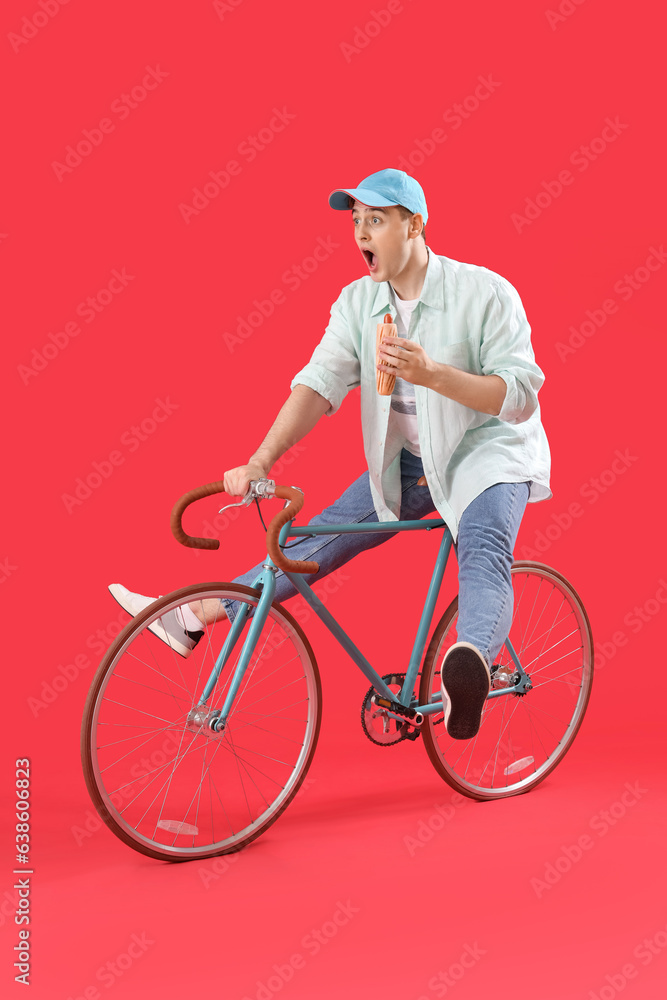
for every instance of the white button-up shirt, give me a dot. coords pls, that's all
(469, 317)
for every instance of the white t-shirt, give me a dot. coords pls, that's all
(403, 412)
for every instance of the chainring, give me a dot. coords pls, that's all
(377, 724)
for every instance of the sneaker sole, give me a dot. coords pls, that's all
(466, 682)
(121, 597)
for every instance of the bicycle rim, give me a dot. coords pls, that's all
(521, 737)
(176, 791)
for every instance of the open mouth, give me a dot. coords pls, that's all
(371, 259)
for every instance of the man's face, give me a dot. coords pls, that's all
(382, 237)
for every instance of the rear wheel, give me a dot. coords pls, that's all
(161, 779)
(522, 736)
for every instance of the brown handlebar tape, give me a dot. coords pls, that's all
(295, 498)
(282, 517)
(177, 513)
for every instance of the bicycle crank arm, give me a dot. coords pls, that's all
(400, 712)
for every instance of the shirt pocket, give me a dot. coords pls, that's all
(463, 354)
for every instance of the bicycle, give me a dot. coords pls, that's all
(191, 758)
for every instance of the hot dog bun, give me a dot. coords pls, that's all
(384, 381)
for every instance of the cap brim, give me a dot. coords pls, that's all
(338, 198)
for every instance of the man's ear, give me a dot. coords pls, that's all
(416, 226)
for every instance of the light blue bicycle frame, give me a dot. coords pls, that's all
(266, 582)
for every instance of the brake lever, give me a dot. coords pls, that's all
(261, 488)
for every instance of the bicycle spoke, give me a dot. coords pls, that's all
(531, 640)
(130, 709)
(157, 772)
(154, 733)
(105, 746)
(528, 666)
(520, 741)
(271, 694)
(170, 784)
(201, 776)
(267, 715)
(546, 632)
(131, 680)
(160, 673)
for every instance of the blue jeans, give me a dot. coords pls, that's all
(487, 534)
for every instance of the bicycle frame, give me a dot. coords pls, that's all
(266, 583)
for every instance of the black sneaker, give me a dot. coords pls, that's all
(466, 682)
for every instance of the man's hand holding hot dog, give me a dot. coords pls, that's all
(410, 359)
(485, 393)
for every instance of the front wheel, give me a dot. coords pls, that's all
(522, 737)
(171, 787)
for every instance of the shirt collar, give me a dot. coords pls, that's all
(432, 293)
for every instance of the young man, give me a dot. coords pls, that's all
(460, 435)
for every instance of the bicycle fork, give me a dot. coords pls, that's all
(216, 719)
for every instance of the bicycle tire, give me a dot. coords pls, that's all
(202, 795)
(484, 767)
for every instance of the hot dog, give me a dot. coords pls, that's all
(384, 381)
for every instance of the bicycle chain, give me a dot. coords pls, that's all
(403, 732)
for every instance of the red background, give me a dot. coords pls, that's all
(557, 79)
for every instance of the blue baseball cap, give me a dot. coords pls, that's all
(384, 188)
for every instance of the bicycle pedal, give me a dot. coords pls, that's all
(409, 714)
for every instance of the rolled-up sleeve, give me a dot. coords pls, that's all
(334, 367)
(506, 351)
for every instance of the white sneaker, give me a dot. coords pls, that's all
(169, 627)
(466, 681)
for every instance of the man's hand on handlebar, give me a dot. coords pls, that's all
(237, 481)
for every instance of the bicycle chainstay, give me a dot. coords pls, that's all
(405, 732)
